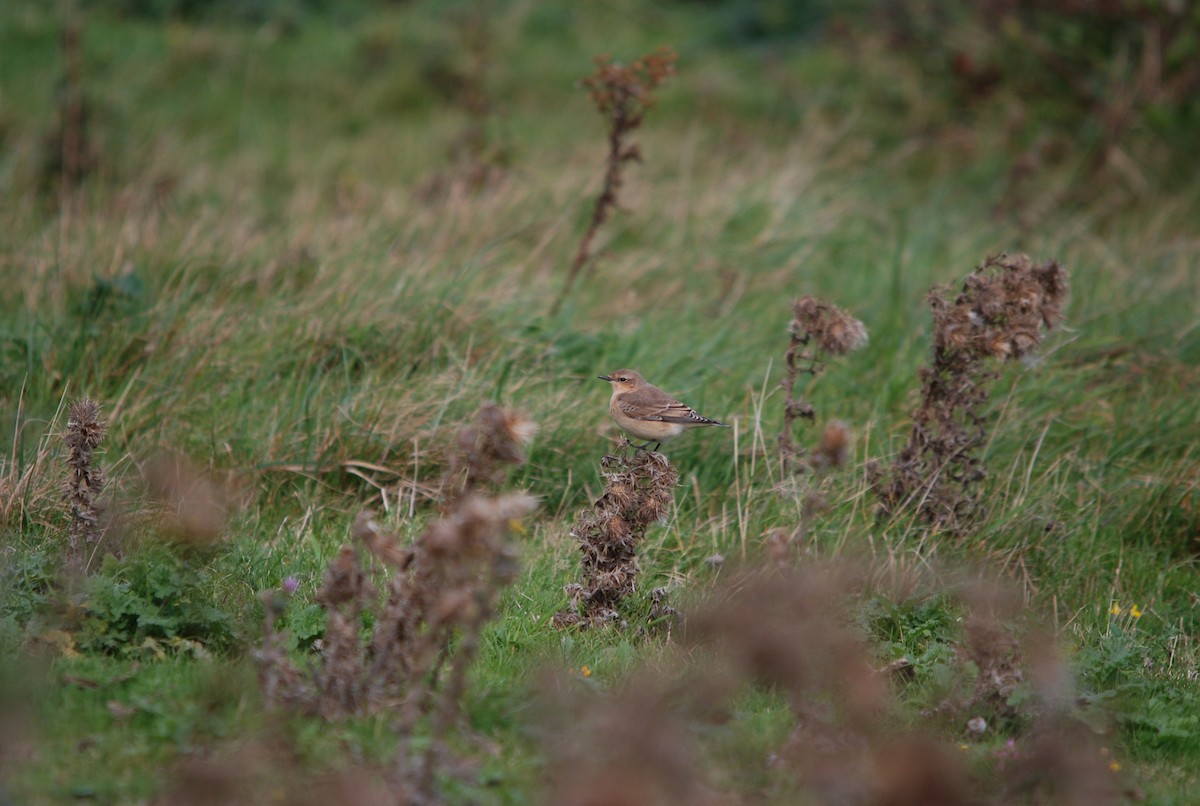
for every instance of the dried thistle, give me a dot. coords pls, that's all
(486, 450)
(1003, 311)
(482, 159)
(443, 590)
(833, 448)
(279, 679)
(789, 629)
(85, 481)
(818, 329)
(339, 679)
(637, 493)
(622, 94)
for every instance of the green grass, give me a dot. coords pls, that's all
(256, 279)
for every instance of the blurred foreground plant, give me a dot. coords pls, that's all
(443, 590)
(791, 633)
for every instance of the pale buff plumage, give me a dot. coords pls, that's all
(646, 412)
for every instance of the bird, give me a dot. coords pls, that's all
(644, 411)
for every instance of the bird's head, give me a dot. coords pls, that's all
(623, 380)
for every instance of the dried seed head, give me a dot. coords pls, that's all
(85, 429)
(196, 508)
(835, 331)
(519, 428)
(384, 546)
(486, 449)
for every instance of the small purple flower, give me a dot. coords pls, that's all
(290, 585)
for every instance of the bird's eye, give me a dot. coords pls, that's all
(623, 379)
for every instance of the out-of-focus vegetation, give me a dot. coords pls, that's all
(291, 247)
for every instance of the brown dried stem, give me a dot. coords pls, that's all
(622, 94)
(69, 155)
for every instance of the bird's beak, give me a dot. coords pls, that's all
(604, 378)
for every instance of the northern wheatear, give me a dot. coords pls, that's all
(647, 412)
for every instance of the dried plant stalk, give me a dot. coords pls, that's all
(85, 481)
(818, 329)
(637, 493)
(622, 94)
(444, 589)
(1002, 312)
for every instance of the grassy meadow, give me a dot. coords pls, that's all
(284, 266)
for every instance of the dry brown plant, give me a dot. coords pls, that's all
(443, 590)
(818, 329)
(85, 480)
(484, 452)
(248, 772)
(622, 94)
(630, 747)
(1001, 314)
(794, 631)
(459, 74)
(481, 157)
(638, 491)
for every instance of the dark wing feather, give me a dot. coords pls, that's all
(668, 411)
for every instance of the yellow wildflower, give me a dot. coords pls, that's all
(585, 671)
(1135, 611)
(1115, 609)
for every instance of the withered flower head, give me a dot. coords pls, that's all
(835, 331)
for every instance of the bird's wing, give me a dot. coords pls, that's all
(660, 408)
